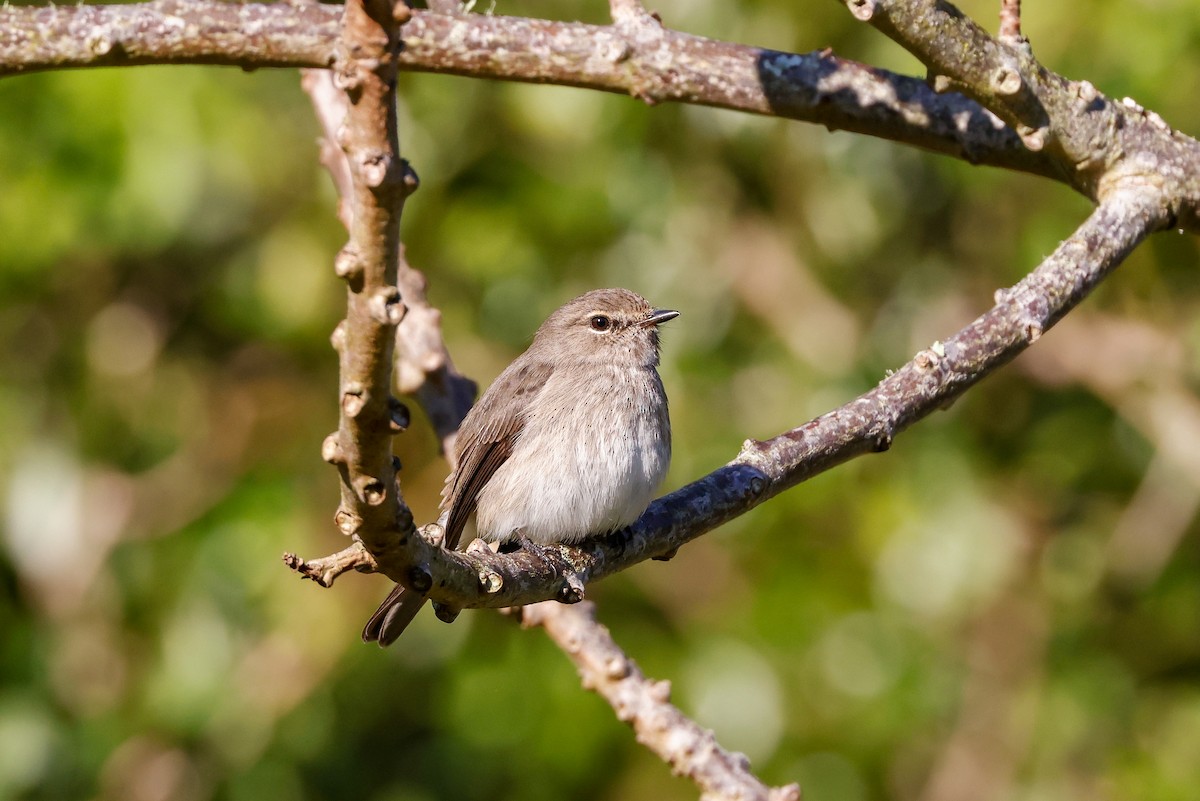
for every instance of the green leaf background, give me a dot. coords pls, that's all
(1002, 606)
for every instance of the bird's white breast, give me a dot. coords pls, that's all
(590, 458)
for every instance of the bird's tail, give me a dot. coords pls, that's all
(393, 616)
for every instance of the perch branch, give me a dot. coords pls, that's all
(932, 380)
(1061, 129)
(645, 705)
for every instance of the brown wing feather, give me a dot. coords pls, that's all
(492, 455)
(486, 441)
(487, 445)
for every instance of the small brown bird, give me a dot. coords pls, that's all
(572, 439)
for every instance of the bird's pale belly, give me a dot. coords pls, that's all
(603, 483)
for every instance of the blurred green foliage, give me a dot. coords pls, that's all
(1004, 605)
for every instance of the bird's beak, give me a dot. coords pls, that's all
(659, 317)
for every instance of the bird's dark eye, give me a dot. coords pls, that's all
(601, 323)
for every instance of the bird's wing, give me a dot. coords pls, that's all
(486, 439)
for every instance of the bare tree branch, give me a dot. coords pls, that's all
(1099, 145)
(34, 38)
(424, 368)
(1064, 129)
(365, 69)
(638, 56)
(762, 470)
(666, 66)
(645, 704)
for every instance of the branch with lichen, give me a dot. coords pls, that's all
(1143, 175)
(931, 381)
(1060, 129)
(645, 704)
(377, 181)
(423, 367)
(636, 55)
(1099, 146)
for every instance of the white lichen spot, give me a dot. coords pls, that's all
(1157, 121)
(173, 23)
(459, 30)
(100, 44)
(614, 51)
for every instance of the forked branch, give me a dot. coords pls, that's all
(932, 380)
(1099, 145)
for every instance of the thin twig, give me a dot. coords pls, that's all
(645, 704)
(1010, 20)
(326, 570)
